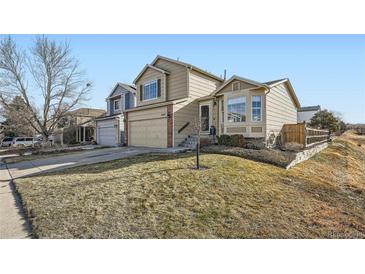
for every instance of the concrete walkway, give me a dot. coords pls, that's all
(12, 221)
(13, 224)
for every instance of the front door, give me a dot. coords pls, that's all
(205, 118)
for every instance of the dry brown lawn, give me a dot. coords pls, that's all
(161, 196)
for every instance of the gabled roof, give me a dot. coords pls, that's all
(238, 78)
(188, 66)
(310, 108)
(147, 67)
(291, 89)
(275, 82)
(130, 88)
(267, 85)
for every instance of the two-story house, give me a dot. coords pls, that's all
(173, 98)
(110, 128)
(167, 108)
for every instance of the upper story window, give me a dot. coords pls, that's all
(236, 109)
(256, 108)
(150, 90)
(116, 105)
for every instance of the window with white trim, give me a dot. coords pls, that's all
(236, 109)
(150, 90)
(222, 111)
(256, 108)
(116, 105)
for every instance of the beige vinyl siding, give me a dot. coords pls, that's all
(177, 79)
(243, 85)
(201, 85)
(184, 112)
(151, 113)
(280, 109)
(149, 75)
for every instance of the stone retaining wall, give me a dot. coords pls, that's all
(306, 154)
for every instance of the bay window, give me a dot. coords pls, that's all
(256, 108)
(236, 109)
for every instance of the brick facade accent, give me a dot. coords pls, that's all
(170, 125)
(126, 128)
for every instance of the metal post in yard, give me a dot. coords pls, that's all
(197, 156)
(198, 151)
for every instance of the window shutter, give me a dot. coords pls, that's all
(141, 92)
(111, 107)
(159, 88)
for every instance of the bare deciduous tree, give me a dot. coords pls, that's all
(47, 72)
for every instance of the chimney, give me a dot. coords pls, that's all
(225, 74)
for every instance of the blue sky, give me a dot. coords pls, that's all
(328, 70)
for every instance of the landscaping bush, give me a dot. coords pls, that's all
(236, 140)
(224, 140)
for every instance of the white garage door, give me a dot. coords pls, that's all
(106, 133)
(148, 133)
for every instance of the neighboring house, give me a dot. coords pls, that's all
(256, 110)
(110, 129)
(167, 106)
(78, 126)
(305, 114)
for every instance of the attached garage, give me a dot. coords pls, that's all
(108, 131)
(149, 133)
(149, 128)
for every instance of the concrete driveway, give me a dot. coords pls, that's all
(12, 221)
(26, 168)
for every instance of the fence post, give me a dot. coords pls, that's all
(305, 134)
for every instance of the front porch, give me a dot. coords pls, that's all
(75, 135)
(85, 134)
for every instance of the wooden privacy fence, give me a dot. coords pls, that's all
(303, 135)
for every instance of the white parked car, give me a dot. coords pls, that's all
(25, 142)
(7, 141)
